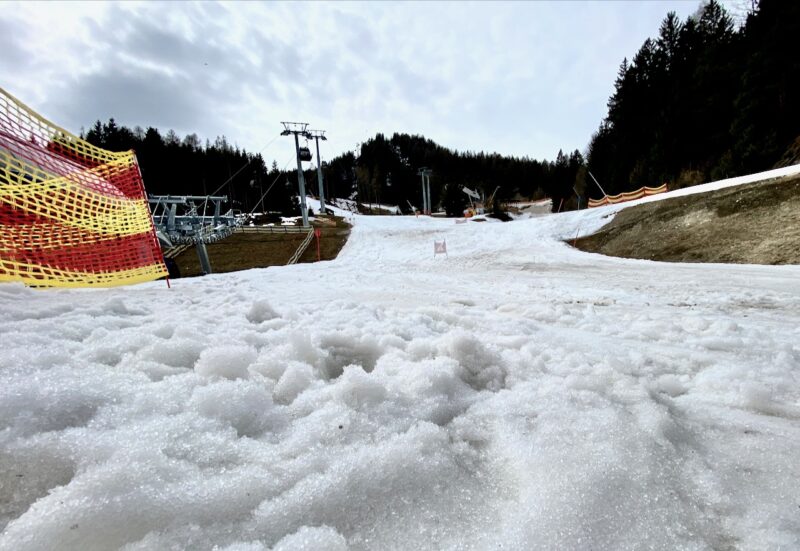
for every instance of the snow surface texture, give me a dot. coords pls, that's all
(517, 394)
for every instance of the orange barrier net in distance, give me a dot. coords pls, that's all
(629, 196)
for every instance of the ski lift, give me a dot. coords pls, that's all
(305, 154)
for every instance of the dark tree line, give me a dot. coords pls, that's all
(386, 171)
(172, 165)
(704, 100)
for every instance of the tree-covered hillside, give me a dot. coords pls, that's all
(386, 171)
(172, 165)
(703, 100)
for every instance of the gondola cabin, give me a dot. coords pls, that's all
(305, 154)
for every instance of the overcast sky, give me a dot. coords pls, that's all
(520, 78)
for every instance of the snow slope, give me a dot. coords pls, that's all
(516, 394)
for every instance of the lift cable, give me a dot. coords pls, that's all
(235, 174)
(272, 184)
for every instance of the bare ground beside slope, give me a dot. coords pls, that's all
(243, 251)
(751, 224)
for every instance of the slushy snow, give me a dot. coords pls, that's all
(516, 394)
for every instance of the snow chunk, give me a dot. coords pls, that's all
(242, 546)
(117, 306)
(314, 538)
(229, 361)
(357, 388)
(757, 397)
(261, 311)
(297, 377)
(245, 405)
(348, 348)
(481, 369)
(671, 385)
(178, 352)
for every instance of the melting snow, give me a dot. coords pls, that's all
(517, 394)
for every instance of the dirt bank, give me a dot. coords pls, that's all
(242, 251)
(750, 224)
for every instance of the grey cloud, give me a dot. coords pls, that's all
(150, 42)
(417, 87)
(279, 60)
(344, 67)
(179, 53)
(197, 83)
(144, 73)
(356, 34)
(13, 56)
(210, 15)
(214, 67)
(12, 36)
(132, 98)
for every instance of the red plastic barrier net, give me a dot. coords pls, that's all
(71, 214)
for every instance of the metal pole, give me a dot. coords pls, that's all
(578, 195)
(202, 254)
(319, 180)
(425, 191)
(428, 191)
(301, 182)
(598, 183)
(173, 210)
(424, 195)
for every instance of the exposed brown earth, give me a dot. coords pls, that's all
(242, 251)
(750, 224)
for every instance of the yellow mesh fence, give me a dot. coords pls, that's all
(47, 236)
(43, 276)
(71, 213)
(73, 205)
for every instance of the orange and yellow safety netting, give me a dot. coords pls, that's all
(71, 214)
(629, 196)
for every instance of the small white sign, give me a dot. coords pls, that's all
(439, 247)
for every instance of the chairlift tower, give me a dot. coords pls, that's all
(428, 190)
(299, 129)
(425, 173)
(319, 135)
